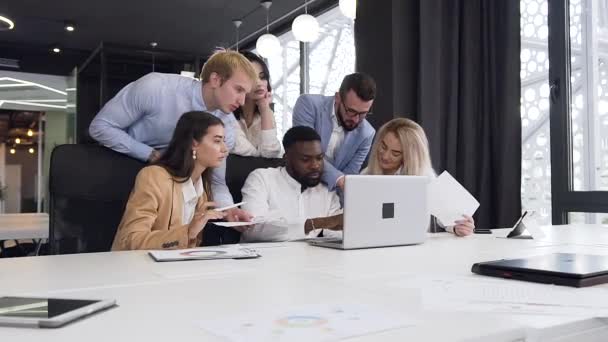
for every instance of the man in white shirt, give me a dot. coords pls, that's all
(291, 202)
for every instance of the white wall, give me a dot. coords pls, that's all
(13, 182)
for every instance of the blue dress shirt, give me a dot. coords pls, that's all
(143, 116)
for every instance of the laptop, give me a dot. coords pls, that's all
(576, 270)
(382, 211)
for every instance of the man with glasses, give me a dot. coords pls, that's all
(346, 136)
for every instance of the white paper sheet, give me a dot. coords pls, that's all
(262, 245)
(324, 322)
(481, 294)
(255, 220)
(233, 224)
(449, 200)
(204, 253)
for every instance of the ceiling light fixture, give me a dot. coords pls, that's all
(17, 141)
(349, 8)
(268, 44)
(153, 45)
(69, 26)
(31, 150)
(305, 27)
(56, 49)
(6, 24)
(237, 23)
(28, 83)
(12, 151)
(34, 104)
(15, 85)
(30, 133)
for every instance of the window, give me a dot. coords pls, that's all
(536, 152)
(285, 80)
(331, 57)
(579, 110)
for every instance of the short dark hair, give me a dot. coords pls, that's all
(298, 134)
(362, 84)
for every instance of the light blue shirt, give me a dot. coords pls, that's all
(143, 116)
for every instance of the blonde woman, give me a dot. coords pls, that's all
(401, 148)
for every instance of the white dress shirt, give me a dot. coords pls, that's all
(252, 141)
(278, 202)
(337, 136)
(191, 192)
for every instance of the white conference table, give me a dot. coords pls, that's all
(169, 301)
(25, 226)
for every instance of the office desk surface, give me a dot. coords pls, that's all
(24, 226)
(161, 301)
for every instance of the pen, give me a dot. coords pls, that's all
(229, 206)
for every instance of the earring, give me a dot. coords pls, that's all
(194, 154)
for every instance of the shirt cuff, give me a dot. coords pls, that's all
(141, 151)
(338, 180)
(269, 136)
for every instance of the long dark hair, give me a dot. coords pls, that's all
(252, 57)
(177, 158)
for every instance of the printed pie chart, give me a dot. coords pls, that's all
(205, 253)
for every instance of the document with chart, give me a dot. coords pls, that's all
(205, 253)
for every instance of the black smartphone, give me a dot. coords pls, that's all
(482, 231)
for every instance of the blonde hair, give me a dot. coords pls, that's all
(416, 159)
(224, 63)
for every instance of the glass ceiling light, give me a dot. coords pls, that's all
(268, 44)
(69, 26)
(349, 8)
(6, 24)
(305, 27)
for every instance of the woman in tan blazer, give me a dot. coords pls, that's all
(169, 204)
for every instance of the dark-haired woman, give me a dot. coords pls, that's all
(257, 134)
(170, 203)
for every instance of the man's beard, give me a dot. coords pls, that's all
(308, 182)
(343, 124)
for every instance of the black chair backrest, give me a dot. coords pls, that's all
(238, 168)
(89, 186)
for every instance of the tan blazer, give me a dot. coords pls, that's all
(153, 216)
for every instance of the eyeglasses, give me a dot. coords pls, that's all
(351, 113)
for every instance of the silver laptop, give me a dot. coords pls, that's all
(382, 211)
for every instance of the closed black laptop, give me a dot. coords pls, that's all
(577, 270)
